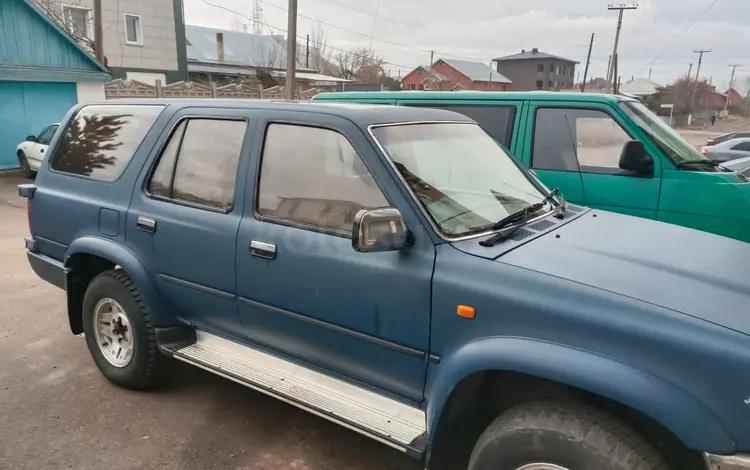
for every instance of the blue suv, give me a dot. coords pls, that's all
(395, 271)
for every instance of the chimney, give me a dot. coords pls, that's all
(220, 47)
(523, 51)
(534, 50)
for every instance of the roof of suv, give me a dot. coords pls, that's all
(471, 95)
(360, 114)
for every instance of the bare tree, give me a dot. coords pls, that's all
(237, 24)
(361, 65)
(54, 9)
(320, 53)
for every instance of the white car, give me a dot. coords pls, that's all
(31, 151)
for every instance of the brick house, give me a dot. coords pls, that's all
(452, 74)
(536, 70)
(735, 98)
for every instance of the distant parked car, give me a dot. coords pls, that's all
(31, 151)
(724, 137)
(740, 165)
(729, 150)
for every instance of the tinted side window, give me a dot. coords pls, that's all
(100, 140)
(314, 177)
(497, 121)
(567, 138)
(743, 146)
(46, 135)
(161, 180)
(207, 154)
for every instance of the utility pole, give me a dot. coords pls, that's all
(700, 53)
(649, 74)
(615, 75)
(690, 72)
(291, 51)
(611, 76)
(731, 83)
(588, 61)
(307, 52)
(432, 61)
(98, 32)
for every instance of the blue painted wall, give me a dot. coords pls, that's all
(33, 48)
(26, 108)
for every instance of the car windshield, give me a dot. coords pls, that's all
(668, 140)
(465, 181)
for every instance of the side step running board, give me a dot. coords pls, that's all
(378, 417)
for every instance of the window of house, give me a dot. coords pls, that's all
(199, 164)
(78, 21)
(539, 84)
(540, 68)
(742, 146)
(133, 30)
(314, 177)
(412, 86)
(549, 84)
(569, 139)
(101, 140)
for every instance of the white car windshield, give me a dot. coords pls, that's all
(465, 181)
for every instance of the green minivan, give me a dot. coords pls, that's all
(603, 151)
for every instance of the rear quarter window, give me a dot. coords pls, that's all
(100, 140)
(496, 120)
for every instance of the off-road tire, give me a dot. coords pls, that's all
(146, 363)
(570, 435)
(23, 161)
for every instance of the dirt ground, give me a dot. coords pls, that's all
(58, 412)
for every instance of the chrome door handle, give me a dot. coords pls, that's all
(262, 250)
(146, 224)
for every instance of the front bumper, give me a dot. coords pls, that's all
(727, 462)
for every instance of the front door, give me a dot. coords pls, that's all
(303, 290)
(184, 216)
(578, 150)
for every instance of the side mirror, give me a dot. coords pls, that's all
(31, 138)
(380, 230)
(635, 159)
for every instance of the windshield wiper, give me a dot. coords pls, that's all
(698, 162)
(522, 216)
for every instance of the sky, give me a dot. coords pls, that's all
(660, 35)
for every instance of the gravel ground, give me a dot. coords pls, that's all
(58, 412)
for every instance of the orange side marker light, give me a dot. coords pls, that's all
(466, 312)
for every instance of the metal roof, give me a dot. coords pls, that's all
(477, 71)
(534, 54)
(639, 87)
(240, 49)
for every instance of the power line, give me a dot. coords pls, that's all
(271, 27)
(358, 33)
(380, 17)
(706, 10)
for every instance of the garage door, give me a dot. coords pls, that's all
(27, 108)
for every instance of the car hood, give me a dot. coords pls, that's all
(697, 273)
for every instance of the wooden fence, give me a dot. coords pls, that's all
(134, 89)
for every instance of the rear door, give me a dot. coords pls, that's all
(186, 210)
(740, 150)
